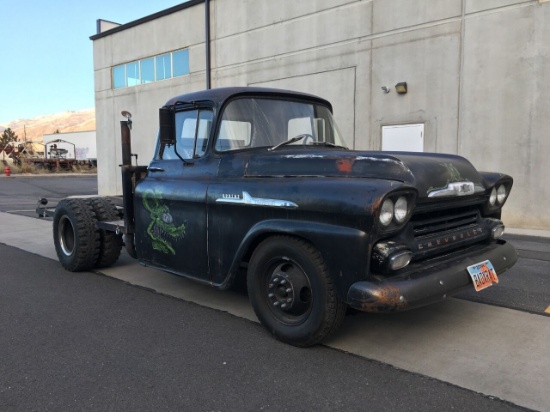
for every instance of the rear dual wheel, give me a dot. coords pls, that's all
(292, 293)
(110, 243)
(75, 235)
(79, 244)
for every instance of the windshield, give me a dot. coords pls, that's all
(258, 122)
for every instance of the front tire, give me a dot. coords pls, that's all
(75, 236)
(292, 293)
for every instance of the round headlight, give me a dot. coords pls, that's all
(501, 194)
(400, 209)
(386, 212)
(493, 197)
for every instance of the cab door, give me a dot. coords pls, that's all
(170, 203)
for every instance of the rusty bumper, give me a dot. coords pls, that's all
(430, 281)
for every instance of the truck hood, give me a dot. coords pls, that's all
(428, 172)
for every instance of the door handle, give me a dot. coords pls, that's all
(155, 169)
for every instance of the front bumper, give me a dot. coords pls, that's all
(429, 282)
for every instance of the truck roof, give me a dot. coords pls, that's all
(222, 94)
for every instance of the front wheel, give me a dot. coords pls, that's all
(292, 293)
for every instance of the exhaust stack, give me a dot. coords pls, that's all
(128, 183)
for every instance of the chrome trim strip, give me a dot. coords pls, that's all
(246, 199)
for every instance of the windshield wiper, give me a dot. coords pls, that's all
(293, 140)
(328, 144)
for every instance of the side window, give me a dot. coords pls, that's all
(186, 124)
(203, 132)
(192, 132)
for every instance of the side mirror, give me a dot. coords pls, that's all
(167, 126)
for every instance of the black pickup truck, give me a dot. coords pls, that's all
(259, 183)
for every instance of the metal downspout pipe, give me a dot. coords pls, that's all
(207, 42)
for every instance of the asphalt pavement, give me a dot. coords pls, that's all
(89, 342)
(497, 348)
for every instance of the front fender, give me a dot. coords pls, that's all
(344, 249)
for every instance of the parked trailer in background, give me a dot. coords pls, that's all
(80, 146)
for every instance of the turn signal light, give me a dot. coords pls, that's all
(497, 232)
(390, 256)
(399, 260)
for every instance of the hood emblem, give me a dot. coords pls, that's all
(456, 184)
(246, 199)
(456, 189)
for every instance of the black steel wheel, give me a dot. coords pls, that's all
(110, 243)
(75, 235)
(292, 293)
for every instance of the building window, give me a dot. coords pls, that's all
(119, 77)
(164, 67)
(151, 69)
(132, 74)
(148, 70)
(180, 61)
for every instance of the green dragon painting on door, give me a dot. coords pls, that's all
(161, 229)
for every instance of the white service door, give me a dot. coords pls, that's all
(403, 138)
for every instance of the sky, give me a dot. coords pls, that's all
(46, 55)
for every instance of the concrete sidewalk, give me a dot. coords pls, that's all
(539, 233)
(496, 351)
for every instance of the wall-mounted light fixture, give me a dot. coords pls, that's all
(401, 88)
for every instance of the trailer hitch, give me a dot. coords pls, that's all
(42, 210)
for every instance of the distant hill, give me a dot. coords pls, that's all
(71, 121)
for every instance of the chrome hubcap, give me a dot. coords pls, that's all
(66, 236)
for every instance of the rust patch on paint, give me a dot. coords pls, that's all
(345, 165)
(384, 299)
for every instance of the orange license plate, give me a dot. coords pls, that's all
(483, 275)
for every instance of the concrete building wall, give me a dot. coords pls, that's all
(476, 73)
(505, 104)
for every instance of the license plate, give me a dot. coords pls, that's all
(483, 275)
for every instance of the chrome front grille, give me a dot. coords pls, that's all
(431, 223)
(441, 231)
